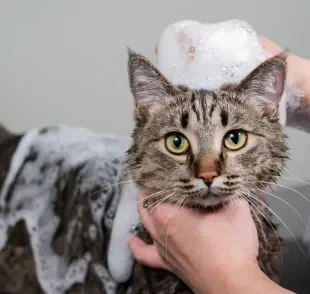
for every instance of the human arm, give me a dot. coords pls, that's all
(212, 252)
(298, 104)
(250, 280)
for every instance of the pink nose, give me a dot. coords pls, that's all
(208, 177)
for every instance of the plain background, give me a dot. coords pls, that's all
(65, 62)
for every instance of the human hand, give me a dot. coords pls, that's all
(298, 102)
(201, 248)
(298, 67)
(269, 45)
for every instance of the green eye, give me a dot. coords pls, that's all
(177, 143)
(235, 139)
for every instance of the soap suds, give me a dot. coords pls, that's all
(207, 56)
(40, 163)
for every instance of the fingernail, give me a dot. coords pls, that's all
(134, 229)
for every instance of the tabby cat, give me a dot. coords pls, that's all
(207, 147)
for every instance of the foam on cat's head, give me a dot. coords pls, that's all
(210, 55)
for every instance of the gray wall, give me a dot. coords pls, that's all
(65, 61)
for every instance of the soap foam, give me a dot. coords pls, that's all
(207, 56)
(35, 192)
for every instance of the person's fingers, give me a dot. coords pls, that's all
(237, 206)
(270, 45)
(174, 217)
(163, 219)
(163, 213)
(147, 254)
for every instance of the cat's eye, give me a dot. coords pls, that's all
(235, 139)
(177, 143)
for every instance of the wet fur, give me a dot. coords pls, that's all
(154, 169)
(204, 117)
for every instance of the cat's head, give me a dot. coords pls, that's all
(203, 147)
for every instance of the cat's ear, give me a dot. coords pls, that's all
(147, 84)
(266, 83)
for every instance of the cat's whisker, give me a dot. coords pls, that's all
(173, 211)
(268, 220)
(260, 223)
(283, 186)
(288, 229)
(233, 199)
(149, 197)
(186, 202)
(297, 180)
(158, 202)
(294, 178)
(178, 205)
(249, 197)
(113, 185)
(292, 207)
(198, 206)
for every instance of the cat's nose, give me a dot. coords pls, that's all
(208, 177)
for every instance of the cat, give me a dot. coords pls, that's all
(177, 144)
(202, 148)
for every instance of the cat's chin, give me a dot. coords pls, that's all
(211, 201)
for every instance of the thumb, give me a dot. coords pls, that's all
(146, 254)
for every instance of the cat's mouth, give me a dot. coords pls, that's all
(208, 198)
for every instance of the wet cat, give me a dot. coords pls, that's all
(202, 148)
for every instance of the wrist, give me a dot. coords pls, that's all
(228, 280)
(247, 279)
(243, 280)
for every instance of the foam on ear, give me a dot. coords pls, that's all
(266, 82)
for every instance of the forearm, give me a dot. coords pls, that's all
(298, 104)
(298, 101)
(252, 280)
(299, 71)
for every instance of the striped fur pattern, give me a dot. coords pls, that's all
(204, 117)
